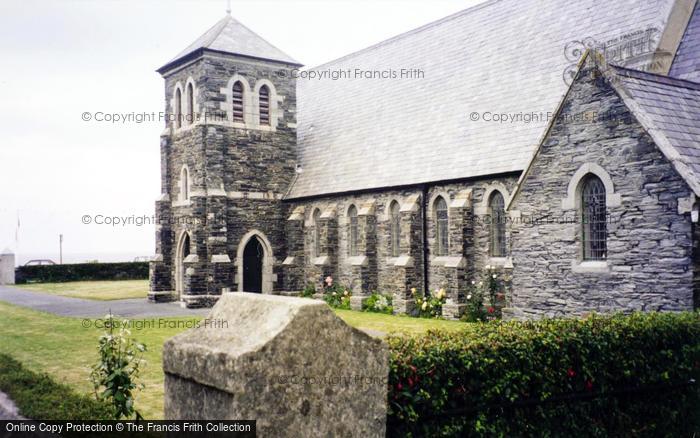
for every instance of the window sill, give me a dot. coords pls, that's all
(498, 262)
(402, 261)
(182, 203)
(590, 267)
(449, 261)
(358, 260)
(321, 261)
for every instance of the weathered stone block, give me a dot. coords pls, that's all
(7, 268)
(288, 363)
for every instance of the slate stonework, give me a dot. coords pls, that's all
(238, 176)
(650, 244)
(469, 238)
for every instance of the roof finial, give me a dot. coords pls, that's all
(228, 7)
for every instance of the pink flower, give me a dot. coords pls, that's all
(329, 281)
(570, 372)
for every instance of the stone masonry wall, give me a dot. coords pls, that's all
(649, 263)
(238, 172)
(469, 240)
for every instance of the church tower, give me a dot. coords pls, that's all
(228, 155)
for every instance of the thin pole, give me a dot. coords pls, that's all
(60, 248)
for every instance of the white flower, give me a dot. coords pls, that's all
(333, 293)
(493, 276)
(481, 283)
(473, 282)
(425, 305)
(469, 297)
(488, 267)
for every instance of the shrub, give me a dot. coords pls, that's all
(38, 396)
(378, 303)
(308, 291)
(114, 376)
(82, 272)
(491, 286)
(335, 295)
(600, 376)
(429, 306)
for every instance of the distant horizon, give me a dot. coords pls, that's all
(74, 258)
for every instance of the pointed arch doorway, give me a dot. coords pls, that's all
(254, 264)
(253, 255)
(183, 250)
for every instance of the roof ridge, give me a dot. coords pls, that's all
(656, 77)
(410, 32)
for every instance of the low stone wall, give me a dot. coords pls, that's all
(289, 363)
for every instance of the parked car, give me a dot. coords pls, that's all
(39, 262)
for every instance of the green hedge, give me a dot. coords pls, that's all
(81, 272)
(600, 376)
(39, 397)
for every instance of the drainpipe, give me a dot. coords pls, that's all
(424, 238)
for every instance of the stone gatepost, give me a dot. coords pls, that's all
(7, 267)
(363, 267)
(408, 266)
(289, 363)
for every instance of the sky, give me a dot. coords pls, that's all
(64, 58)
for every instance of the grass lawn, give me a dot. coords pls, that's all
(93, 290)
(61, 347)
(396, 323)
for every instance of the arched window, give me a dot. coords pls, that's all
(184, 184)
(442, 226)
(178, 108)
(264, 96)
(353, 232)
(395, 228)
(186, 246)
(237, 99)
(317, 232)
(498, 225)
(593, 219)
(190, 104)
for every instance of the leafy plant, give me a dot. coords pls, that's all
(115, 375)
(430, 306)
(308, 291)
(619, 375)
(335, 295)
(491, 287)
(379, 303)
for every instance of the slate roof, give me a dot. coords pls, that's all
(686, 64)
(231, 36)
(669, 110)
(505, 56)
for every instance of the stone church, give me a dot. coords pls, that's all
(556, 141)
